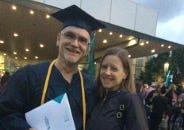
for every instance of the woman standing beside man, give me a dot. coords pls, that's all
(118, 108)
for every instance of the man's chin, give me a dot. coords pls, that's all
(73, 61)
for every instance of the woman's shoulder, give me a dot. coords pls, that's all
(128, 95)
(129, 98)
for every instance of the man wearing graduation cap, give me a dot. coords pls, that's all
(34, 85)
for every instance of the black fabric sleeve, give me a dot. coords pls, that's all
(14, 101)
(135, 113)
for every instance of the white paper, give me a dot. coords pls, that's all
(53, 115)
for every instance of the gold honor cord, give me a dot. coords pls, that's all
(47, 81)
(82, 90)
(83, 101)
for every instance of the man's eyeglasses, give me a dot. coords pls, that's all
(72, 36)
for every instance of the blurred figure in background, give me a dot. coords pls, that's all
(139, 90)
(171, 94)
(160, 107)
(4, 81)
(176, 121)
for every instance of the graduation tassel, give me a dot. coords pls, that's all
(90, 57)
(167, 79)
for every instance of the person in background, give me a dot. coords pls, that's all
(4, 81)
(118, 107)
(171, 94)
(25, 88)
(160, 108)
(176, 121)
(145, 87)
(139, 90)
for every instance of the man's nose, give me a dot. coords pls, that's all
(75, 42)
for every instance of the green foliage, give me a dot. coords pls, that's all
(178, 65)
(155, 67)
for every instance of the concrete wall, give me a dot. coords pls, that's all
(124, 13)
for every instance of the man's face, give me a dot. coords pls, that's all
(73, 43)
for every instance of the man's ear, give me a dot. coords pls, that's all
(88, 50)
(58, 38)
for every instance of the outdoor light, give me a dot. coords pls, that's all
(1, 42)
(131, 43)
(31, 12)
(110, 33)
(36, 57)
(162, 45)
(142, 44)
(41, 45)
(100, 30)
(15, 34)
(104, 41)
(26, 49)
(47, 16)
(14, 7)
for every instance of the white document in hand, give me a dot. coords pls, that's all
(53, 115)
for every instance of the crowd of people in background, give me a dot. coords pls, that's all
(164, 105)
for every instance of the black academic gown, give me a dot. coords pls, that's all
(24, 90)
(119, 110)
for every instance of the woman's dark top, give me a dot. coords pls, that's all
(118, 111)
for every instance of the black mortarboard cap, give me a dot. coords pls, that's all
(74, 16)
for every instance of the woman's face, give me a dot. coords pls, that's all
(112, 72)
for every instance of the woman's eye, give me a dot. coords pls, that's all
(103, 66)
(113, 69)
